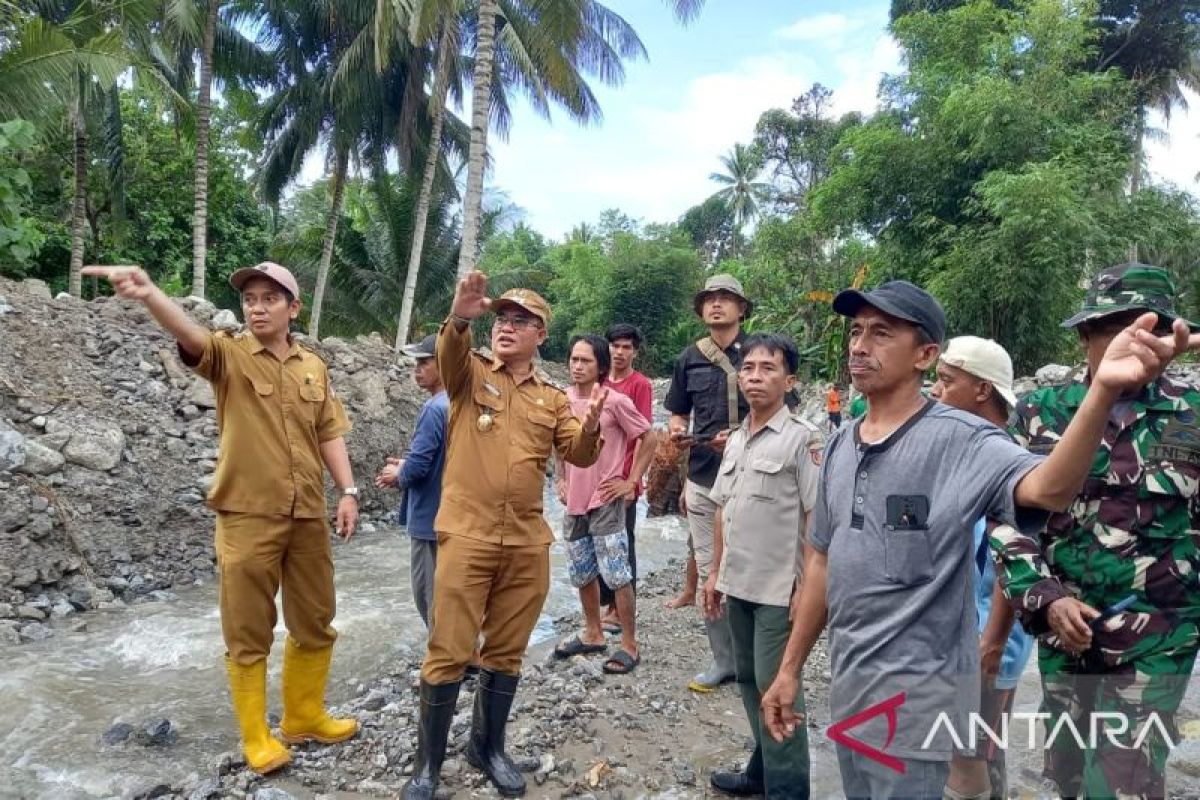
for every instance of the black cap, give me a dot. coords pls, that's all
(900, 299)
(426, 348)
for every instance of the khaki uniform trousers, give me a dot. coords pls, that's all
(488, 588)
(255, 555)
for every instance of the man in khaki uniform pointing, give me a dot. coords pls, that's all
(493, 570)
(279, 420)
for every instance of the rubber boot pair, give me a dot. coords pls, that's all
(305, 673)
(721, 670)
(485, 749)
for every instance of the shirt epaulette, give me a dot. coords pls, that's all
(800, 418)
(547, 380)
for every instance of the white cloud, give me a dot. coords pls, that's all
(1177, 158)
(820, 28)
(653, 160)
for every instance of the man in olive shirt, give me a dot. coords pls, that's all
(765, 492)
(493, 569)
(279, 420)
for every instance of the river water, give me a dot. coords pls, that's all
(59, 696)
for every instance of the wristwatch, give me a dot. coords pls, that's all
(350, 491)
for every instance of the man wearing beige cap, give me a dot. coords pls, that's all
(279, 420)
(493, 566)
(976, 375)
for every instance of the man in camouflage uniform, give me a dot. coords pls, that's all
(1133, 531)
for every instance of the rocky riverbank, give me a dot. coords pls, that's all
(108, 445)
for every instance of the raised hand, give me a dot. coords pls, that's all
(131, 283)
(470, 298)
(591, 423)
(1136, 357)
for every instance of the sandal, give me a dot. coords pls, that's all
(612, 628)
(577, 647)
(621, 663)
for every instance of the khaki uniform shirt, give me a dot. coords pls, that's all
(766, 485)
(272, 416)
(499, 438)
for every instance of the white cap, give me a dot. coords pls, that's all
(986, 360)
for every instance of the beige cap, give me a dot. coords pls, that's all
(722, 282)
(525, 299)
(986, 360)
(267, 269)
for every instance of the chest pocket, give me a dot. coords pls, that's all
(538, 434)
(766, 479)
(1171, 489)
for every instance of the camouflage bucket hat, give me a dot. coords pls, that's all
(1129, 287)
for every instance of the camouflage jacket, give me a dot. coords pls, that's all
(1133, 530)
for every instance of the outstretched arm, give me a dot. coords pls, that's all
(132, 283)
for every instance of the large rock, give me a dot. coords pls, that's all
(200, 394)
(36, 288)
(1053, 375)
(96, 450)
(224, 320)
(12, 448)
(40, 459)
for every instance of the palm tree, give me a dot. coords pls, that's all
(197, 31)
(742, 192)
(583, 33)
(67, 58)
(313, 106)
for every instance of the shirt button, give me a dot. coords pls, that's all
(863, 474)
(858, 500)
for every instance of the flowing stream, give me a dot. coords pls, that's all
(59, 696)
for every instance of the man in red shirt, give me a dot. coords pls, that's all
(624, 343)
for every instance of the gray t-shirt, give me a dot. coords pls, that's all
(894, 519)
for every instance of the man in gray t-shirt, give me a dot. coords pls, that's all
(890, 567)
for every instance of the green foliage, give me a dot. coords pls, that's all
(156, 228)
(20, 237)
(998, 172)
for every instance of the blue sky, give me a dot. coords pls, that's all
(701, 91)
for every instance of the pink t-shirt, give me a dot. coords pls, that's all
(620, 422)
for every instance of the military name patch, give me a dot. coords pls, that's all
(1179, 442)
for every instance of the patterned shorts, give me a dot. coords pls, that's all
(596, 555)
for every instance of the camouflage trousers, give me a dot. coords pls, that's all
(1119, 724)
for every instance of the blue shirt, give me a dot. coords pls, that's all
(1020, 644)
(421, 475)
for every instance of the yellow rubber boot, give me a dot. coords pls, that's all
(304, 715)
(248, 687)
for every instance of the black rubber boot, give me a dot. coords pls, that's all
(747, 783)
(485, 749)
(437, 712)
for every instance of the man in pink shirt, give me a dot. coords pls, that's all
(594, 525)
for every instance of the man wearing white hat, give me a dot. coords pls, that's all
(976, 375)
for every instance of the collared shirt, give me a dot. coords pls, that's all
(894, 518)
(766, 486)
(698, 389)
(620, 423)
(1133, 530)
(421, 476)
(501, 433)
(273, 416)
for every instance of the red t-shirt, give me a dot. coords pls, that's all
(637, 388)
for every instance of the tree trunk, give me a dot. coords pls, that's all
(78, 207)
(437, 108)
(481, 96)
(1135, 171)
(203, 113)
(335, 213)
